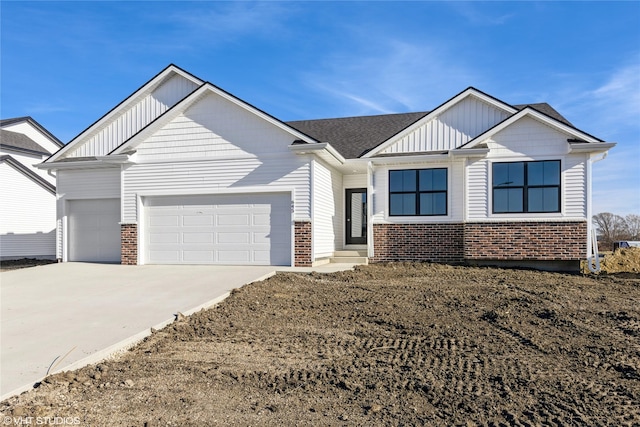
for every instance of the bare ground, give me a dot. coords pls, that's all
(396, 344)
(23, 263)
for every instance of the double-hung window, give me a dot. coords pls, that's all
(526, 187)
(418, 192)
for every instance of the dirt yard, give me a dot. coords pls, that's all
(23, 263)
(396, 344)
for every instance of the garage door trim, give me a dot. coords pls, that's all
(191, 228)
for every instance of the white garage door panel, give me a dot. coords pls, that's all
(94, 230)
(223, 229)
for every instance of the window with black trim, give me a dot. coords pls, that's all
(526, 187)
(418, 192)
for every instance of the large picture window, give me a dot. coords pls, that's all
(526, 187)
(418, 192)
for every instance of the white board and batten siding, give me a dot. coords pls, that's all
(89, 211)
(27, 217)
(114, 132)
(327, 210)
(454, 127)
(528, 140)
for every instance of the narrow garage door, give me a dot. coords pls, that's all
(94, 230)
(218, 229)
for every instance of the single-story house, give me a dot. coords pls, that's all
(183, 172)
(27, 194)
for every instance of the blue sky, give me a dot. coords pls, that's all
(67, 63)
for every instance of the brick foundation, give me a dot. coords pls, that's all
(540, 241)
(129, 244)
(418, 242)
(487, 241)
(302, 247)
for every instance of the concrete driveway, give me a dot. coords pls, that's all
(90, 310)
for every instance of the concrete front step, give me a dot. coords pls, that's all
(351, 253)
(350, 257)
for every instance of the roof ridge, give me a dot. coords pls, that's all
(360, 117)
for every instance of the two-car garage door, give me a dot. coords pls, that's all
(218, 229)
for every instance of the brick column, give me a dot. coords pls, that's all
(302, 249)
(129, 244)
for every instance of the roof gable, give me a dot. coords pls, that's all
(20, 142)
(13, 125)
(130, 116)
(189, 111)
(459, 117)
(537, 115)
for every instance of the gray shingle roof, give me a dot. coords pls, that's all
(547, 109)
(20, 141)
(6, 122)
(355, 136)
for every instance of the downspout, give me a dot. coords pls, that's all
(593, 258)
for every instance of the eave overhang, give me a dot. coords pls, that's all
(468, 152)
(321, 149)
(590, 147)
(90, 163)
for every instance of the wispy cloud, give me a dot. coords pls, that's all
(390, 75)
(221, 21)
(47, 108)
(479, 14)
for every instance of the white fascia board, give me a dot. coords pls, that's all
(80, 164)
(528, 111)
(318, 148)
(438, 111)
(469, 152)
(591, 147)
(99, 162)
(131, 99)
(420, 158)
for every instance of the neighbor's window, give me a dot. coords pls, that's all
(526, 187)
(418, 192)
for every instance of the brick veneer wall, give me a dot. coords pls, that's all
(129, 244)
(418, 242)
(455, 243)
(544, 241)
(302, 249)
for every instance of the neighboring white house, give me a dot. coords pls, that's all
(27, 194)
(182, 172)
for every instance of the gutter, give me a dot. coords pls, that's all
(93, 162)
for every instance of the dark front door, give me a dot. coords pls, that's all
(356, 201)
